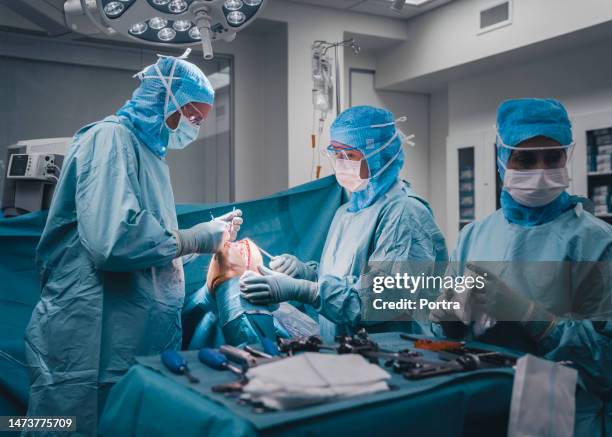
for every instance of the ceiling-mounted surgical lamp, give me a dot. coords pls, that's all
(179, 23)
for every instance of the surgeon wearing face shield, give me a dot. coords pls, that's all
(546, 259)
(110, 253)
(384, 221)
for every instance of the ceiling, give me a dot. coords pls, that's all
(375, 7)
(47, 16)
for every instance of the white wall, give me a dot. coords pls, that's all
(581, 79)
(438, 131)
(447, 37)
(260, 111)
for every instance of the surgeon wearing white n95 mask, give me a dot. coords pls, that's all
(110, 254)
(384, 221)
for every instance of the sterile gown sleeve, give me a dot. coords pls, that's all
(587, 343)
(398, 238)
(116, 231)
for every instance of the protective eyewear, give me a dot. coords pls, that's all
(341, 151)
(526, 158)
(193, 114)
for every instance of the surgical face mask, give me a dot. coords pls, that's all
(534, 187)
(183, 135)
(537, 187)
(348, 172)
(348, 175)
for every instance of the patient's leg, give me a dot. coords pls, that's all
(241, 322)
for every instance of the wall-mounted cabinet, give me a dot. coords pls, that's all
(592, 161)
(467, 193)
(470, 180)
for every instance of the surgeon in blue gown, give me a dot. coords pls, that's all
(110, 253)
(384, 221)
(547, 260)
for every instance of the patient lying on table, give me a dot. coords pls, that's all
(242, 322)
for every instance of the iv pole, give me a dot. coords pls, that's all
(335, 45)
(326, 46)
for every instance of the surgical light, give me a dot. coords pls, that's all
(233, 5)
(166, 34)
(113, 9)
(177, 6)
(189, 22)
(157, 23)
(138, 28)
(194, 33)
(181, 25)
(235, 17)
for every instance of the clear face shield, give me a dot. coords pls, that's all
(348, 161)
(534, 174)
(536, 156)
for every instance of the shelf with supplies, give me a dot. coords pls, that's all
(599, 170)
(599, 173)
(470, 180)
(466, 186)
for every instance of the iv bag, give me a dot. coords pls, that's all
(323, 89)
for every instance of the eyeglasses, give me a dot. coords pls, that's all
(193, 114)
(341, 151)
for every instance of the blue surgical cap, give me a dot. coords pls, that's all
(522, 119)
(368, 129)
(145, 110)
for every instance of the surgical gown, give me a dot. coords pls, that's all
(398, 227)
(574, 236)
(111, 286)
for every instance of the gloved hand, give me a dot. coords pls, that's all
(207, 237)
(275, 287)
(503, 303)
(292, 266)
(234, 219)
(441, 315)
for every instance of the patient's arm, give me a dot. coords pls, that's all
(232, 261)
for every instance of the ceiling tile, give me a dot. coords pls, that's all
(383, 7)
(375, 7)
(335, 4)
